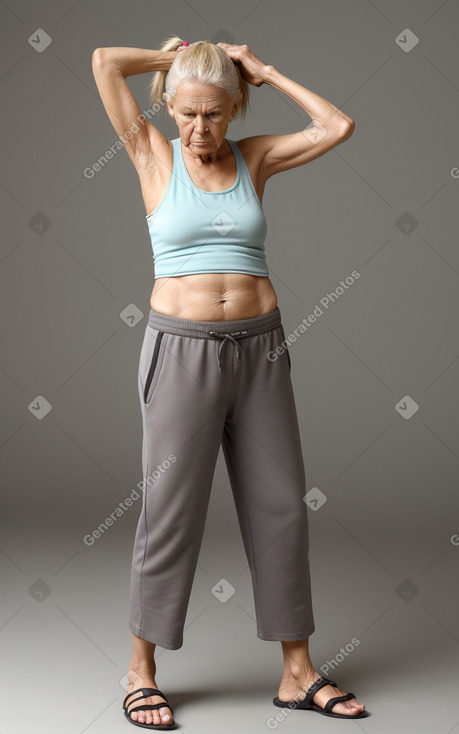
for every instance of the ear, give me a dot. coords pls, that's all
(240, 97)
(235, 107)
(170, 108)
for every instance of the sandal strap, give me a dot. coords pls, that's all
(145, 692)
(147, 706)
(331, 702)
(316, 686)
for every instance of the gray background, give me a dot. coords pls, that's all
(383, 546)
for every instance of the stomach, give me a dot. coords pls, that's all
(214, 296)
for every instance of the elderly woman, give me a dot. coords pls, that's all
(212, 371)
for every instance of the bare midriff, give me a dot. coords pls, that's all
(214, 296)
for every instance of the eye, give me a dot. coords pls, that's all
(190, 114)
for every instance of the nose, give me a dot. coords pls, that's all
(200, 124)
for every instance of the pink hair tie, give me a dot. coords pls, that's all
(185, 43)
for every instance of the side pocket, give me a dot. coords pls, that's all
(286, 350)
(153, 371)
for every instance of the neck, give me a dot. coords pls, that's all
(208, 156)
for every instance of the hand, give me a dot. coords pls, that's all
(252, 69)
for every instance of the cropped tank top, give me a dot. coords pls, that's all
(198, 231)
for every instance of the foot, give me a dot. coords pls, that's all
(294, 687)
(146, 679)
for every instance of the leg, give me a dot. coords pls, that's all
(262, 449)
(182, 435)
(181, 439)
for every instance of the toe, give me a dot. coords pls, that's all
(166, 717)
(348, 708)
(352, 707)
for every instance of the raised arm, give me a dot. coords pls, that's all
(279, 153)
(110, 67)
(331, 126)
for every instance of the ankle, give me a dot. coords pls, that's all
(295, 672)
(142, 667)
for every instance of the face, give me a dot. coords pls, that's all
(202, 113)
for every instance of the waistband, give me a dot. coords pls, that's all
(207, 329)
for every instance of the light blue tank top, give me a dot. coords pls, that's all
(197, 231)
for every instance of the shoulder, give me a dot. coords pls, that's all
(254, 147)
(254, 150)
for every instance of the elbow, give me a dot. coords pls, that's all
(99, 57)
(351, 125)
(104, 59)
(347, 129)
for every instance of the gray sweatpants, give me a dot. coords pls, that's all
(202, 384)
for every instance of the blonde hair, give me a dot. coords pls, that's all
(201, 61)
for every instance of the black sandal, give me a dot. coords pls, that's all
(147, 692)
(307, 703)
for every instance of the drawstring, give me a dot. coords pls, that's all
(224, 336)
